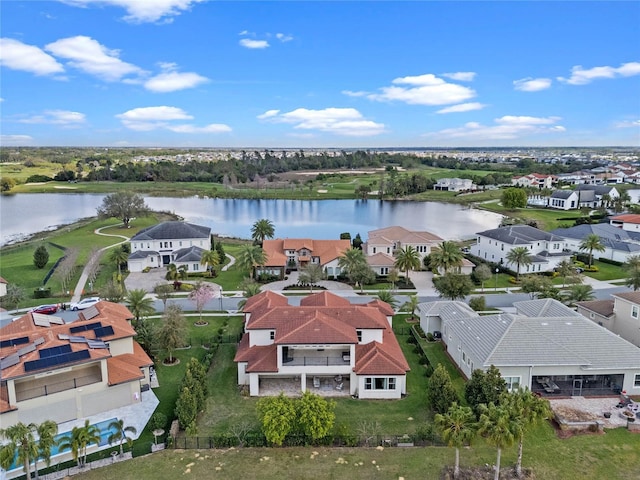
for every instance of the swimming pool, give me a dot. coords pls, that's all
(103, 427)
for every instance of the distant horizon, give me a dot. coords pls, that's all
(318, 74)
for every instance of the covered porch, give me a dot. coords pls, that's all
(577, 385)
(323, 385)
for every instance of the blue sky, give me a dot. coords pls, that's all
(196, 73)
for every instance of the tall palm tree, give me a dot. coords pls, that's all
(120, 434)
(412, 305)
(499, 428)
(20, 438)
(249, 288)
(407, 258)
(172, 272)
(210, 259)
(590, 243)
(458, 427)
(579, 293)
(118, 256)
(250, 257)
(529, 410)
(632, 266)
(519, 256)
(567, 271)
(351, 260)
(78, 441)
(262, 229)
(46, 431)
(139, 304)
(387, 297)
(446, 256)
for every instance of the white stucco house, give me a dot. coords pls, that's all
(180, 243)
(620, 314)
(629, 222)
(544, 345)
(326, 345)
(388, 240)
(547, 250)
(454, 184)
(618, 244)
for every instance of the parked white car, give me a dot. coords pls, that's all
(84, 303)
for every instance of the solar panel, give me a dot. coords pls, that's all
(40, 320)
(9, 361)
(53, 351)
(96, 344)
(27, 349)
(56, 320)
(90, 313)
(76, 339)
(104, 331)
(56, 360)
(39, 341)
(14, 341)
(84, 328)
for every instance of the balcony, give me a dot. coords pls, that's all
(315, 361)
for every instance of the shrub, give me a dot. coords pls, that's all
(513, 280)
(429, 370)
(411, 340)
(592, 268)
(146, 269)
(38, 179)
(419, 331)
(478, 303)
(430, 337)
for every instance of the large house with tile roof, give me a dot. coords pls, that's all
(629, 222)
(545, 346)
(535, 180)
(619, 314)
(296, 253)
(546, 250)
(53, 370)
(180, 243)
(618, 244)
(326, 345)
(387, 240)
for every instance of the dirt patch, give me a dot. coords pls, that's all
(569, 414)
(485, 473)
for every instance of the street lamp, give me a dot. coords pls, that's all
(497, 270)
(220, 292)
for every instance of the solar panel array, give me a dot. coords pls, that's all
(104, 331)
(90, 313)
(84, 328)
(9, 361)
(56, 360)
(42, 320)
(53, 351)
(14, 341)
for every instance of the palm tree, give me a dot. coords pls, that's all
(20, 439)
(183, 272)
(250, 257)
(351, 260)
(446, 256)
(412, 305)
(498, 427)
(529, 410)
(458, 427)
(172, 272)
(249, 288)
(407, 258)
(632, 266)
(139, 304)
(78, 441)
(262, 229)
(118, 256)
(590, 243)
(46, 431)
(120, 434)
(519, 256)
(387, 297)
(210, 259)
(566, 270)
(579, 293)
(311, 274)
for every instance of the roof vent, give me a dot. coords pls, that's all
(544, 323)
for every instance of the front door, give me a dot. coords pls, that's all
(166, 259)
(577, 388)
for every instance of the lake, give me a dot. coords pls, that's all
(23, 215)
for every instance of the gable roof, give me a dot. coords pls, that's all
(519, 235)
(632, 297)
(564, 194)
(601, 307)
(385, 358)
(172, 230)
(627, 218)
(401, 234)
(326, 250)
(598, 189)
(610, 235)
(188, 254)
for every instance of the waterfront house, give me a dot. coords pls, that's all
(545, 346)
(180, 243)
(388, 240)
(618, 244)
(326, 345)
(454, 185)
(534, 180)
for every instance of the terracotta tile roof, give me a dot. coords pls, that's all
(627, 218)
(318, 328)
(326, 250)
(381, 260)
(381, 358)
(107, 314)
(324, 299)
(401, 234)
(280, 318)
(601, 307)
(258, 358)
(4, 399)
(384, 307)
(121, 371)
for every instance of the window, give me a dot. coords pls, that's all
(636, 380)
(380, 383)
(272, 335)
(196, 266)
(374, 249)
(359, 333)
(513, 383)
(634, 311)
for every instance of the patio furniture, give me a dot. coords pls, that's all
(338, 378)
(316, 382)
(340, 386)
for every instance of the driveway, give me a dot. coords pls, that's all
(293, 280)
(145, 281)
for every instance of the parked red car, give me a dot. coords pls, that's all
(46, 309)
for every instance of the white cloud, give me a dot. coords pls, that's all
(532, 84)
(461, 76)
(339, 121)
(507, 128)
(268, 114)
(155, 118)
(351, 93)
(173, 81)
(462, 107)
(141, 11)
(57, 117)
(424, 89)
(284, 38)
(20, 56)
(580, 76)
(86, 54)
(627, 124)
(15, 140)
(250, 43)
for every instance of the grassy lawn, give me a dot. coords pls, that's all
(607, 271)
(548, 219)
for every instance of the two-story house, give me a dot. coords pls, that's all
(52, 370)
(621, 314)
(297, 253)
(454, 184)
(546, 250)
(388, 240)
(629, 222)
(180, 243)
(544, 345)
(326, 345)
(534, 180)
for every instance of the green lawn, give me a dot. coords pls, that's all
(548, 219)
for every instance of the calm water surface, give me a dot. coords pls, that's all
(25, 214)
